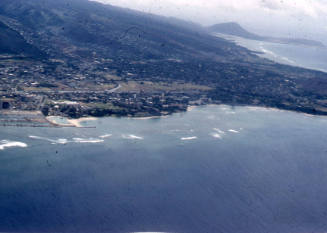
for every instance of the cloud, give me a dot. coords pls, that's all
(276, 16)
(269, 4)
(300, 5)
(311, 8)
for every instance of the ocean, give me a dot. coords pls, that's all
(212, 169)
(295, 55)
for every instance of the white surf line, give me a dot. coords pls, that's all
(189, 138)
(233, 131)
(53, 141)
(6, 143)
(65, 141)
(288, 60)
(132, 137)
(276, 56)
(268, 52)
(219, 130)
(105, 136)
(87, 140)
(216, 135)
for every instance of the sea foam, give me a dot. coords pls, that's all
(105, 136)
(65, 141)
(189, 138)
(6, 143)
(233, 131)
(53, 141)
(87, 140)
(132, 137)
(219, 130)
(216, 135)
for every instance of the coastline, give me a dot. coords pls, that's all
(78, 122)
(147, 118)
(258, 47)
(61, 121)
(192, 107)
(66, 122)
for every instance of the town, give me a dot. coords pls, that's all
(76, 95)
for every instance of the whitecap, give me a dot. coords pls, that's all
(87, 140)
(53, 141)
(219, 130)
(216, 135)
(105, 136)
(5, 144)
(61, 141)
(65, 141)
(189, 138)
(132, 137)
(233, 131)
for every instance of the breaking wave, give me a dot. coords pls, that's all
(216, 135)
(6, 144)
(189, 138)
(87, 140)
(132, 137)
(65, 141)
(233, 131)
(219, 130)
(105, 136)
(53, 141)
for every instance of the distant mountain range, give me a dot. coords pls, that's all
(236, 30)
(79, 28)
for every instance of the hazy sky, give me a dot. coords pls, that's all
(305, 18)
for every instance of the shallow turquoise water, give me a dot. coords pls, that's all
(214, 169)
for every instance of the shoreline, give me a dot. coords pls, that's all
(265, 53)
(192, 107)
(61, 121)
(78, 122)
(57, 121)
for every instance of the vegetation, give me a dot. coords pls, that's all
(79, 51)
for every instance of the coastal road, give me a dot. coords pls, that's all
(114, 89)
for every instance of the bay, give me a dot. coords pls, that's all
(212, 169)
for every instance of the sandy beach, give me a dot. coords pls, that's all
(65, 122)
(77, 122)
(191, 107)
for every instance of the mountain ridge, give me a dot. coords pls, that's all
(12, 42)
(92, 48)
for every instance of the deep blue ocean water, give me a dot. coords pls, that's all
(213, 169)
